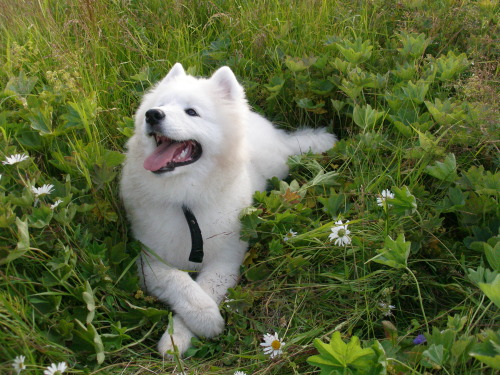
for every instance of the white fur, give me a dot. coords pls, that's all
(241, 150)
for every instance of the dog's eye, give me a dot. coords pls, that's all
(191, 112)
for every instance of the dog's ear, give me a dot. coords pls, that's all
(176, 71)
(226, 81)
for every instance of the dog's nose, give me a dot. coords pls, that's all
(154, 116)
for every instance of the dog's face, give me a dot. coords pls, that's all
(187, 122)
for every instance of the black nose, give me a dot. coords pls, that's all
(154, 116)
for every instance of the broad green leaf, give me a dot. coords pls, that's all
(80, 115)
(482, 275)
(488, 351)
(41, 120)
(444, 171)
(415, 92)
(23, 243)
(445, 112)
(366, 117)
(451, 65)
(433, 356)
(403, 202)
(97, 341)
(296, 64)
(413, 45)
(355, 52)
(21, 85)
(395, 252)
(337, 356)
(492, 290)
(275, 84)
(493, 254)
(88, 297)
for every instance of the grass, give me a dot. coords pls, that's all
(410, 88)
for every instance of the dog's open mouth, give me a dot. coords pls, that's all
(170, 154)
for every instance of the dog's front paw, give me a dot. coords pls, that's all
(178, 342)
(202, 316)
(204, 321)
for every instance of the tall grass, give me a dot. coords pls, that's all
(424, 125)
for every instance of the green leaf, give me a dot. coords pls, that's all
(444, 171)
(21, 85)
(88, 297)
(492, 290)
(445, 112)
(337, 356)
(434, 356)
(451, 65)
(395, 252)
(366, 117)
(488, 351)
(493, 254)
(355, 52)
(415, 92)
(80, 115)
(23, 243)
(482, 275)
(403, 202)
(413, 45)
(296, 64)
(97, 341)
(41, 120)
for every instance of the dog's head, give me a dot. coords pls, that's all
(186, 121)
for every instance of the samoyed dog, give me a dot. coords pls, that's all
(197, 156)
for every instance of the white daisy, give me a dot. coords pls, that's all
(340, 234)
(54, 369)
(240, 373)
(272, 345)
(13, 159)
(19, 364)
(55, 204)
(45, 189)
(386, 194)
(289, 235)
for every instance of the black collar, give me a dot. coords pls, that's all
(196, 254)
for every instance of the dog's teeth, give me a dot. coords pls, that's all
(183, 154)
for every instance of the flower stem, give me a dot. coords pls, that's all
(419, 298)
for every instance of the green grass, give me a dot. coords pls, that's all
(410, 88)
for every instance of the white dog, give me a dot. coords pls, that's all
(194, 162)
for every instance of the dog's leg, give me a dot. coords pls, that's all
(186, 297)
(214, 279)
(181, 338)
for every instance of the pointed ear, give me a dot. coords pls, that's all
(226, 81)
(176, 71)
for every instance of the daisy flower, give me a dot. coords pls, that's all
(240, 373)
(386, 194)
(340, 234)
(272, 345)
(45, 189)
(13, 159)
(56, 203)
(54, 369)
(289, 235)
(19, 364)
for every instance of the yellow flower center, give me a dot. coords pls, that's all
(276, 344)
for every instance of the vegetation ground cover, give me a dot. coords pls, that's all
(411, 89)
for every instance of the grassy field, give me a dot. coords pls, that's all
(411, 88)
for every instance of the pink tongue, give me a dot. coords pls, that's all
(163, 154)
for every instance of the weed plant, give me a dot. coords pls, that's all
(378, 257)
